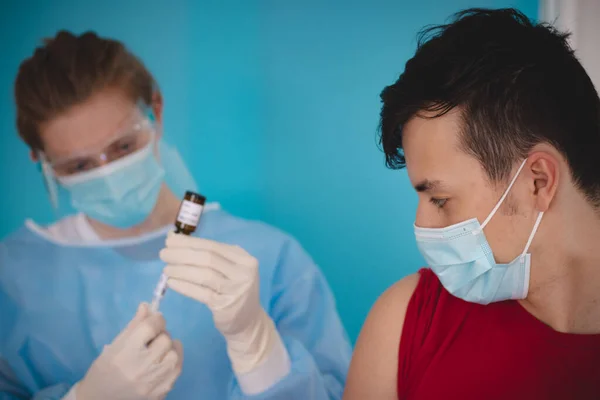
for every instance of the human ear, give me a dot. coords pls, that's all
(544, 168)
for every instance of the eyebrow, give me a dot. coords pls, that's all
(428, 186)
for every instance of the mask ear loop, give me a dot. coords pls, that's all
(506, 192)
(524, 254)
(533, 232)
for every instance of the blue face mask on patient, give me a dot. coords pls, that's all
(464, 262)
(122, 193)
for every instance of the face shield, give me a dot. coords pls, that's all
(118, 181)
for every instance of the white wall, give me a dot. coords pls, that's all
(582, 19)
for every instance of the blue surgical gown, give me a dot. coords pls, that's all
(60, 304)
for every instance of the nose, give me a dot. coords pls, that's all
(426, 216)
(420, 217)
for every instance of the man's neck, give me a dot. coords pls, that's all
(163, 214)
(564, 291)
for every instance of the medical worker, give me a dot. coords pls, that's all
(498, 126)
(247, 315)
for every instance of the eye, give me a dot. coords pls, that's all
(123, 147)
(78, 166)
(439, 203)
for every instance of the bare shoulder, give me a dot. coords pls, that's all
(374, 366)
(393, 302)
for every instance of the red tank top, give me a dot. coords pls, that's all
(452, 349)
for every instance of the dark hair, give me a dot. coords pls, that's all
(66, 71)
(516, 84)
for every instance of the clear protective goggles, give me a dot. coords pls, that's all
(136, 134)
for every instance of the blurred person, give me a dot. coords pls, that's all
(249, 314)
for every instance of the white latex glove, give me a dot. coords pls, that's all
(224, 278)
(130, 368)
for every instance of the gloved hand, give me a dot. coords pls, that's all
(224, 278)
(142, 363)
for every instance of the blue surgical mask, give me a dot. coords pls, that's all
(120, 194)
(463, 260)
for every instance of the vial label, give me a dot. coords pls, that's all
(189, 213)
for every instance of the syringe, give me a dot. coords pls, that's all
(187, 220)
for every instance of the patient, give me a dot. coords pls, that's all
(498, 126)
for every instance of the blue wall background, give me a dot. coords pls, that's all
(273, 104)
